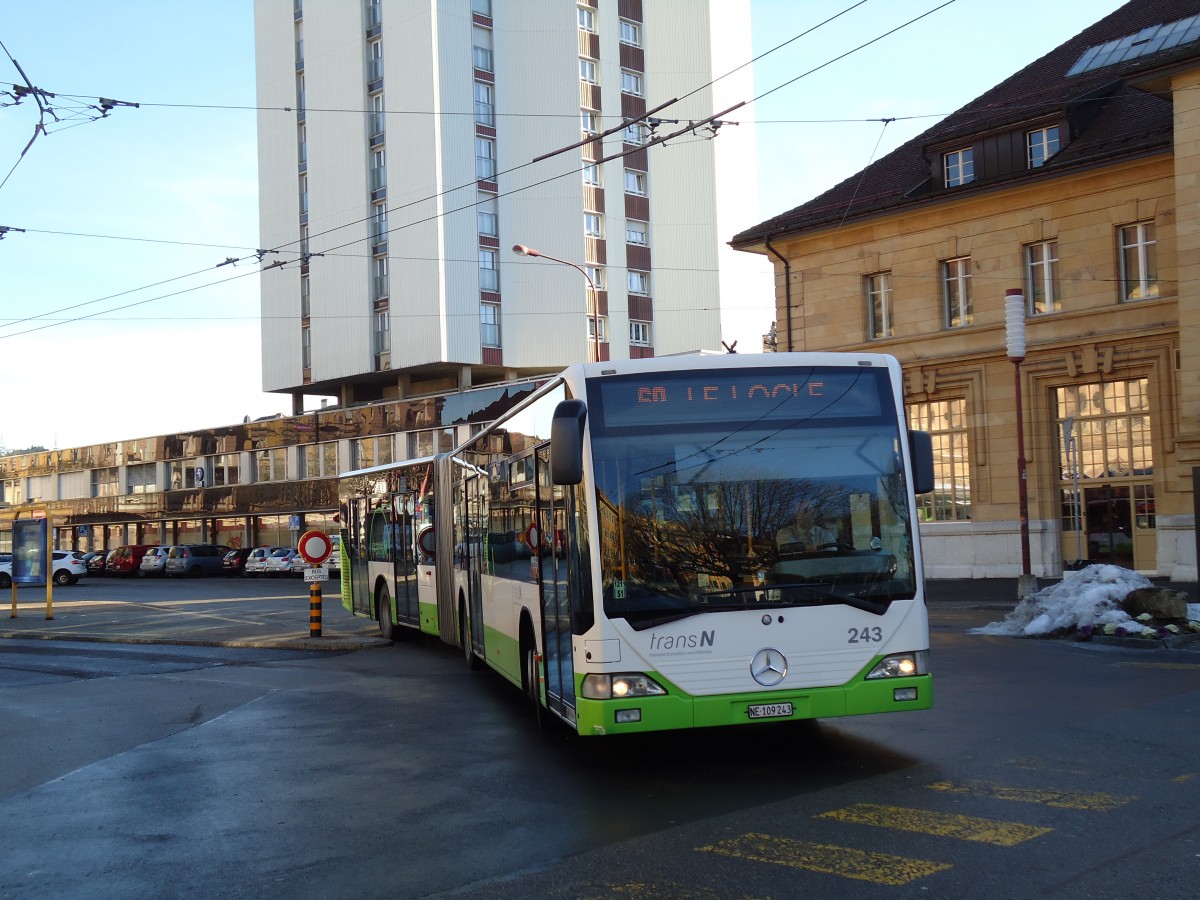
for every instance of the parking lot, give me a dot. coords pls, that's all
(234, 612)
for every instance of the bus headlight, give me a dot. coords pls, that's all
(899, 665)
(620, 686)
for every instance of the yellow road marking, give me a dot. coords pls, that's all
(1092, 802)
(963, 828)
(880, 868)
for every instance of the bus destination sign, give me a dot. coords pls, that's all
(686, 398)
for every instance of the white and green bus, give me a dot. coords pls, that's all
(679, 542)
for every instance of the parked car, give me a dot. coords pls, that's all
(97, 561)
(127, 560)
(194, 560)
(258, 556)
(68, 568)
(234, 562)
(154, 562)
(334, 563)
(279, 562)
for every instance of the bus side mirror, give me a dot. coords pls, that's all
(566, 442)
(920, 449)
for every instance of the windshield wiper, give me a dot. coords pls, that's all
(818, 589)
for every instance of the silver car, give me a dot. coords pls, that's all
(154, 562)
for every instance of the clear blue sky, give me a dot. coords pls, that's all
(185, 353)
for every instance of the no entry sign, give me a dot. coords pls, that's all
(315, 547)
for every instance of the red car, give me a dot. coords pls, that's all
(126, 560)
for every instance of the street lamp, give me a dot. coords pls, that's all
(522, 250)
(1014, 337)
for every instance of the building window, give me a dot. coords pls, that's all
(635, 182)
(481, 51)
(959, 167)
(224, 469)
(946, 423)
(634, 133)
(374, 13)
(591, 174)
(587, 20)
(373, 451)
(489, 276)
(1139, 265)
(302, 144)
(956, 288)
(379, 223)
(1041, 277)
(639, 333)
(596, 274)
(485, 104)
(631, 83)
(378, 170)
(1112, 427)
(587, 70)
(318, 460)
(485, 159)
(483, 7)
(631, 33)
(489, 324)
(589, 121)
(879, 305)
(375, 61)
(591, 328)
(105, 482)
(270, 465)
(383, 332)
(380, 277)
(593, 225)
(305, 296)
(377, 116)
(635, 233)
(1040, 145)
(306, 347)
(487, 223)
(304, 195)
(639, 282)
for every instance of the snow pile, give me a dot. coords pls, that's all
(1088, 601)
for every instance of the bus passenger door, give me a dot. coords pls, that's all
(475, 491)
(360, 579)
(555, 596)
(404, 570)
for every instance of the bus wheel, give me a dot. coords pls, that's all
(383, 613)
(529, 678)
(464, 635)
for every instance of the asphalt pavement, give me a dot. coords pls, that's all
(286, 623)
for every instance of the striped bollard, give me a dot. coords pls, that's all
(314, 609)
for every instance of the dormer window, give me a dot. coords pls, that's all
(959, 167)
(1040, 145)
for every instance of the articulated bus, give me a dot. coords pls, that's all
(687, 541)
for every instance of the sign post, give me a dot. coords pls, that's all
(315, 547)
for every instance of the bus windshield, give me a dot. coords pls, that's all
(751, 489)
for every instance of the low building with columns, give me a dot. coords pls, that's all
(1077, 182)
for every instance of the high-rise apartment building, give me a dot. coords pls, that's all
(405, 146)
